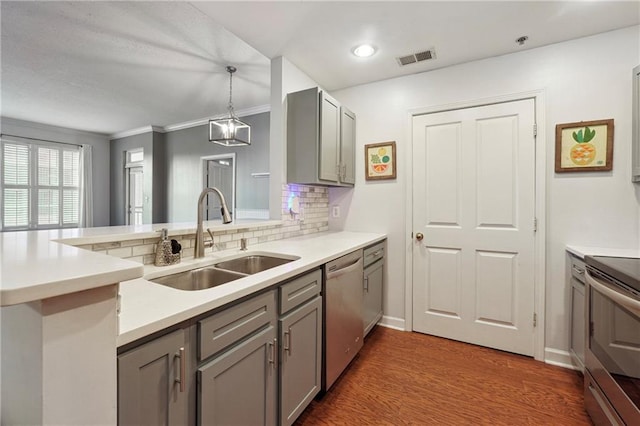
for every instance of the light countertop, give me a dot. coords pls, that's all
(582, 251)
(32, 267)
(36, 265)
(147, 307)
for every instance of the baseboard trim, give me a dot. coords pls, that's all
(559, 358)
(392, 322)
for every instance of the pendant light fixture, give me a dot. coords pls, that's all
(229, 131)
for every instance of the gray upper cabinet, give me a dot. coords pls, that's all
(320, 140)
(347, 146)
(153, 383)
(635, 119)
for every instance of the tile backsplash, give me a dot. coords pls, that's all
(312, 217)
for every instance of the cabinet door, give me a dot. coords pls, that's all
(301, 359)
(577, 320)
(239, 386)
(372, 309)
(149, 392)
(347, 146)
(329, 137)
(635, 124)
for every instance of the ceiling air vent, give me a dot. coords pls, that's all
(417, 57)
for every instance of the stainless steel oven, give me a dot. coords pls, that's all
(612, 357)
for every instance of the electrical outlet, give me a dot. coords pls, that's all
(335, 211)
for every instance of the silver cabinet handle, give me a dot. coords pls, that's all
(287, 341)
(578, 270)
(272, 351)
(366, 284)
(183, 368)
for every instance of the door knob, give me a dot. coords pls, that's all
(419, 236)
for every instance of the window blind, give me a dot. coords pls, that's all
(40, 184)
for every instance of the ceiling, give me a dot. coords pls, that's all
(108, 67)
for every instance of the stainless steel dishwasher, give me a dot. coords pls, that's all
(343, 314)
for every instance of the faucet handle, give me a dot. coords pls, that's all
(243, 244)
(210, 242)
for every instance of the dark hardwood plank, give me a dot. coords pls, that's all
(403, 378)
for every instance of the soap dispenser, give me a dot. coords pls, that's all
(167, 252)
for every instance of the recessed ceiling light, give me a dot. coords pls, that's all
(364, 50)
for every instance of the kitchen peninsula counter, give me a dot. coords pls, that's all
(59, 310)
(147, 307)
(36, 265)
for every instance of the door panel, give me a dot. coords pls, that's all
(474, 202)
(443, 292)
(496, 166)
(442, 167)
(496, 274)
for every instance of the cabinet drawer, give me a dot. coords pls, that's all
(300, 290)
(577, 269)
(223, 329)
(373, 253)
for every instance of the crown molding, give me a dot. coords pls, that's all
(188, 124)
(136, 131)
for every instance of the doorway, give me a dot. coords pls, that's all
(474, 245)
(134, 186)
(219, 171)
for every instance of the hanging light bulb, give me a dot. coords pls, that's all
(229, 131)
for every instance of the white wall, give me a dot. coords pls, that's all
(100, 144)
(583, 79)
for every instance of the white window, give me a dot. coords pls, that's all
(40, 184)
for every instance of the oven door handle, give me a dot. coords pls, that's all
(622, 299)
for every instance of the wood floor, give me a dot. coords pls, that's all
(403, 378)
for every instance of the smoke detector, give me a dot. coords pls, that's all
(413, 58)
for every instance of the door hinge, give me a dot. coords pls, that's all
(535, 224)
(535, 130)
(535, 320)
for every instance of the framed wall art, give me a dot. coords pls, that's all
(380, 161)
(585, 146)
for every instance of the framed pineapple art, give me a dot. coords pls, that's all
(380, 161)
(585, 146)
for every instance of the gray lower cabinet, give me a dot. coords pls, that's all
(577, 331)
(239, 387)
(635, 127)
(241, 365)
(373, 279)
(300, 337)
(301, 359)
(152, 381)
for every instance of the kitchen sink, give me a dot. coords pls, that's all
(253, 263)
(223, 272)
(198, 279)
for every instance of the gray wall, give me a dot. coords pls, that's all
(159, 197)
(173, 171)
(184, 148)
(154, 169)
(101, 158)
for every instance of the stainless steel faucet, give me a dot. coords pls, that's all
(226, 218)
